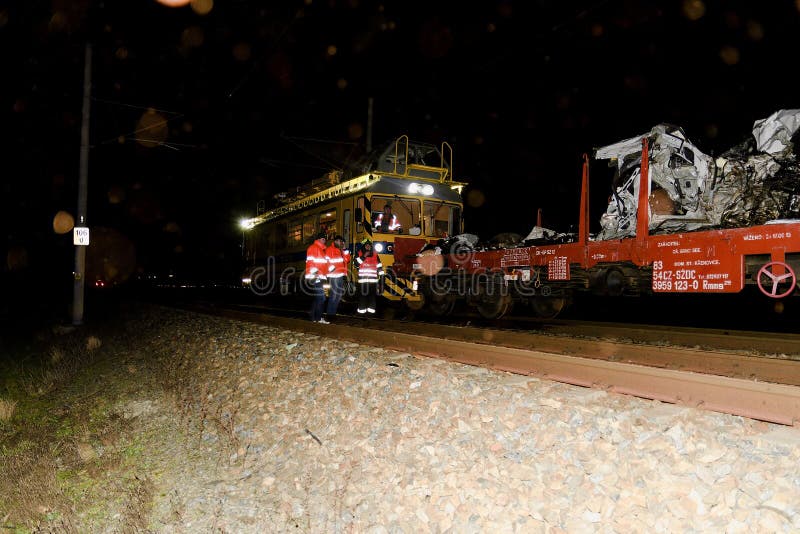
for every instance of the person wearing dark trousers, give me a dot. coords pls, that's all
(316, 269)
(370, 276)
(338, 259)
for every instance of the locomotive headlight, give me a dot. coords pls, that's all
(246, 224)
(420, 189)
(378, 247)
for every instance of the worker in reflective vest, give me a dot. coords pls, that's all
(338, 258)
(316, 274)
(387, 221)
(370, 276)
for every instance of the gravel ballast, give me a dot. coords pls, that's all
(272, 430)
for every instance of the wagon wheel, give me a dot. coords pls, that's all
(493, 305)
(767, 278)
(548, 307)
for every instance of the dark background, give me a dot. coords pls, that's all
(254, 97)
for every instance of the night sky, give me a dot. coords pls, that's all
(200, 111)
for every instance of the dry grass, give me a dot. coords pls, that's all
(7, 409)
(93, 343)
(53, 421)
(69, 460)
(59, 364)
(34, 498)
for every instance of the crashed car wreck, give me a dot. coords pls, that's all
(755, 182)
(752, 183)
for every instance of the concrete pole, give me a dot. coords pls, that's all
(369, 124)
(83, 188)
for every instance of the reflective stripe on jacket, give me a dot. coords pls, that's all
(369, 269)
(393, 224)
(316, 262)
(337, 261)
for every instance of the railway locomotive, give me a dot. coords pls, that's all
(412, 180)
(678, 222)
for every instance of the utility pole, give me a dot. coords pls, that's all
(369, 124)
(83, 188)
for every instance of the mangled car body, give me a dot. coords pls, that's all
(752, 183)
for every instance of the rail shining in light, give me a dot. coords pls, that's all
(246, 224)
(421, 189)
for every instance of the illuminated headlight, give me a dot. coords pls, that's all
(246, 281)
(414, 285)
(246, 224)
(420, 189)
(378, 247)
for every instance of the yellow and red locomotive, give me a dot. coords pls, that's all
(402, 190)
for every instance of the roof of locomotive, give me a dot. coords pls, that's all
(374, 182)
(389, 169)
(390, 157)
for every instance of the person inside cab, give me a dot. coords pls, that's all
(386, 221)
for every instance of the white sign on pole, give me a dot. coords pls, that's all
(80, 235)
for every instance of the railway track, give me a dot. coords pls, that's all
(517, 332)
(727, 380)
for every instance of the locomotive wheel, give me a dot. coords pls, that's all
(440, 304)
(548, 307)
(494, 306)
(416, 305)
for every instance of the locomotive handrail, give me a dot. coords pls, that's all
(350, 186)
(444, 171)
(441, 171)
(396, 154)
(449, 168)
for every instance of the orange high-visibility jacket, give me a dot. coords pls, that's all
(337, 261)
(316, 262)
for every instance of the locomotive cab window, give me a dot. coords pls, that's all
(395, 215)
(441, 219)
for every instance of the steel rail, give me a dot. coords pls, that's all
(777, 403)
(779, 344)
